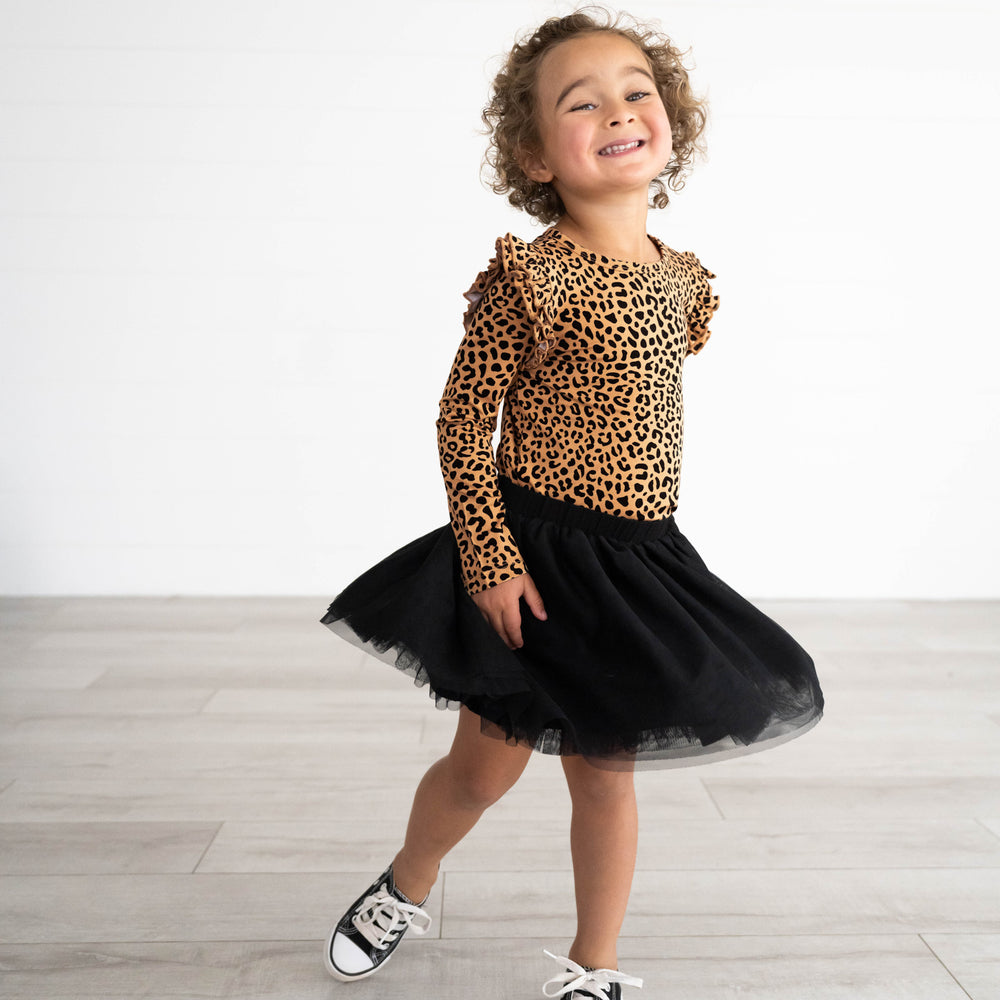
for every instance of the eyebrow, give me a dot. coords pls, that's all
(587, 79)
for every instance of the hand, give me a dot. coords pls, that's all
(499, 606)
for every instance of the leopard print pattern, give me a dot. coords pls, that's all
(586, 352)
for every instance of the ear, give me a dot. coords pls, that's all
(534, 166)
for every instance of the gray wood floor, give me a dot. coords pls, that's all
(191, 790)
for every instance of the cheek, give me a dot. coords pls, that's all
(576, 135)
(665, 130)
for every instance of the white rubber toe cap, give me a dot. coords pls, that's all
(348, 958)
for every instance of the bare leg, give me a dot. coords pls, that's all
(603, 836)
(453, 794)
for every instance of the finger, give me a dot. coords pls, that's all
(498, 626)
(512, 622)
(534, 599)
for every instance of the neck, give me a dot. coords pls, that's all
(615, 229)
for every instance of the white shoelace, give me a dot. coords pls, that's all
(383, 917)
(577, 977)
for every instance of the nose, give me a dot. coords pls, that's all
(621, 115)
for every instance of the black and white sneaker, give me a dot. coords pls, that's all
(370, 930)
(580, 982)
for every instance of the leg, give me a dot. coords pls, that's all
(603, 836)
(450, 798)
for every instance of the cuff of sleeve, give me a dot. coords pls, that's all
(480, 570)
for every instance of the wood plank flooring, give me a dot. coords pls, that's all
(192, 790)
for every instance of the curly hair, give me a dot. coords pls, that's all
(510, 115)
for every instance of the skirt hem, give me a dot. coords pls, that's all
(549, 742)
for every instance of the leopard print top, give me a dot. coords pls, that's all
(587, 352)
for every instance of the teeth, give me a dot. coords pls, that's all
(619, 149)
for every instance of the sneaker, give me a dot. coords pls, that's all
(370, 930)
(580, 982)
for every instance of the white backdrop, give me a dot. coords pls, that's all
(234, 239)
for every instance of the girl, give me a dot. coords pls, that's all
(561, 609)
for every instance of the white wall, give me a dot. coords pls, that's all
(235, 236)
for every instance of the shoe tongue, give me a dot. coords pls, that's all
(402, 896)
(586, 991)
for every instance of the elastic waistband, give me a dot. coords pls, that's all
(523, 501)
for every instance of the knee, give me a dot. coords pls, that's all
(478, 787)
(591, 785)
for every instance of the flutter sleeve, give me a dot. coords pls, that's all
(507, 330)
(701, 304)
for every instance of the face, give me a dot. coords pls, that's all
(603, 126)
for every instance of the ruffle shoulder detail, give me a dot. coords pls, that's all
(702, 303)
(528, 272)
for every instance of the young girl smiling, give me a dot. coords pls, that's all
(561, 609)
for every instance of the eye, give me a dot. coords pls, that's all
(581, 107)
(637, 95)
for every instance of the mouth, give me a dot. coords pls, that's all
(617, 148)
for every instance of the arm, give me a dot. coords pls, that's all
(499, 335)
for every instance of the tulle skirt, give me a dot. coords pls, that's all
(645, 659)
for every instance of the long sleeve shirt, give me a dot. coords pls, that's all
(586, 352)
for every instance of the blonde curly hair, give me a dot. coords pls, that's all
(510, 115)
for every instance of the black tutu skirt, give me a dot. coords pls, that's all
(646, 658)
